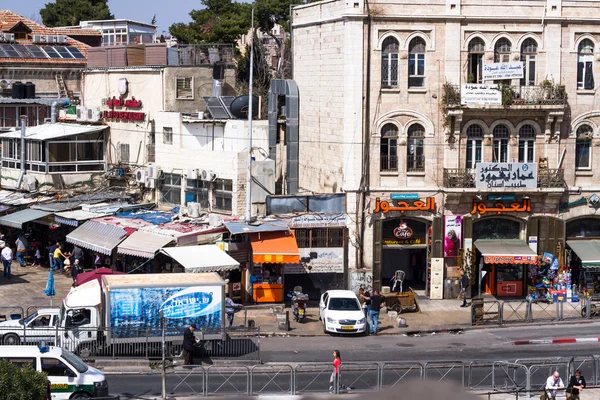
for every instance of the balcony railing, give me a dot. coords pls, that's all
(389, 163)
(547, 94)
(200, 54)
(415, 164)
(465, 178)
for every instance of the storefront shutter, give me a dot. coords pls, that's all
(377, 233)
(543, 235)
(467, 227)
(438, 238)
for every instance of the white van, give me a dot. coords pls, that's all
(69, 376)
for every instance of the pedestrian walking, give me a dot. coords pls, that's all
(189, 341)
(335, 374)
(552, 384)
(464, 284)
(37, 258)
(97, 261)
(59, 257)
(51, 248)
(77, 255)
(21, 244)
(575, 386)
(230, 309)
(75, 269)
(376, 304)
(7, 257)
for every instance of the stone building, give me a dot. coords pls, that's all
(431, 116)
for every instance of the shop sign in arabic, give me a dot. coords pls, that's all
(502, 71)
(403, 206)
(317, 221)
(506, 175)
(478, 94)
(510, 259)
(501, 208)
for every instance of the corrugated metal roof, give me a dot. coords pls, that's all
(53, 131)
(13, 198)
(77, 201)
(241, 227)
(97, 236)
(75, 217)
(205, 258)
(143, 244)
(17, 219)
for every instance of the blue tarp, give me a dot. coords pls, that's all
(154, 217)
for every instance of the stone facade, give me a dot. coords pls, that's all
(379, 79)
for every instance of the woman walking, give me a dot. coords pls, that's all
(337, 361)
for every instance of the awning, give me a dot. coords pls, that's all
(143, 244)
(17, 219)
(97, 236)
(506, 251)
(53, 131)
(236, 228)
(205, 258)
(588, 252)
(76, 217)
(275, 247)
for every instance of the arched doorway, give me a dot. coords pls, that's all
(583, 253)
(405, 248)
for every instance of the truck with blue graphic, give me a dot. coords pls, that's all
(125, 314)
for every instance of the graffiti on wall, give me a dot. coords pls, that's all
(361, 280)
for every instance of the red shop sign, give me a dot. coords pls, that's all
(124, 115)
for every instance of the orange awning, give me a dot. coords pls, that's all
(275, 247)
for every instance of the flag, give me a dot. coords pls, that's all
(49, 291)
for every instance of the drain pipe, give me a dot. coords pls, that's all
(23, 127)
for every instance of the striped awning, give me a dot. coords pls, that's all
(143, 244)
(204, 258)
(76, 217)
(588, 252)
(17, 219)
(96, 236)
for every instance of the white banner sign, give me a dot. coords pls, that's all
(495, 71)
(318, 260)
(478, 94)
(506, 175)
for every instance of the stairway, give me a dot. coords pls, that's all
(62, 88)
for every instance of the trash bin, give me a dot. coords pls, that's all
(477, 311)
(283, 321)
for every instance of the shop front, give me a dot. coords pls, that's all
(583, 253)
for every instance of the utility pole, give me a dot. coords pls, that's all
(249, 172)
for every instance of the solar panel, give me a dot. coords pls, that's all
(75, 51)
(216, 108)
(227, 100)
(36, 52)
(51, 52)
(22, 50)
(2, 53)
(10, 51)
(63, 52)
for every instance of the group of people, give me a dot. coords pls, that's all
(555, 383)
(371, 305)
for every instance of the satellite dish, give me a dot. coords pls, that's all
(239, 106)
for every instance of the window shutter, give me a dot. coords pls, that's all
(184, 88)
(438, 238)
(377, 228)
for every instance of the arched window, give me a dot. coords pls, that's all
(415, 157)
(502, 51)
(476, 52)
(583, 147)
(389, 148)
(474, 145)
(416, 62)
(500, 144)
(389, 62)
(526, 144)
(585, 65)
(528, 56)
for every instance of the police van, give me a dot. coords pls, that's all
(69, 376)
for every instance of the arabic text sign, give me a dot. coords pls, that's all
(402, 206)
(509, 259)
(506, 175)
(501, 208)
(511, 70)
(477, 94)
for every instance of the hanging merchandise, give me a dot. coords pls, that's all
(548, 258)
(554, 266)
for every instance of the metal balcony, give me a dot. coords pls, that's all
(541, 95)
(389, 163)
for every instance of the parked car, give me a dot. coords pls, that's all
(340, 312)
(40, 326)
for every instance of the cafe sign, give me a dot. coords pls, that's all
(384, 206)
(506, 175)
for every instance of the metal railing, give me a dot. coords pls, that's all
(389, 163)
(465, 178)
(540, 95)
(415, 163)
(200, 54)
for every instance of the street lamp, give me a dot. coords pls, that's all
(250, 98)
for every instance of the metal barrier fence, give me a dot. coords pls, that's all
(524, 376)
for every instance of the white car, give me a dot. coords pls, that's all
(40, 326)
(341, 312)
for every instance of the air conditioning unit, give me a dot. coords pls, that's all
(151, 183)
(208, 175)
(61, 39)
(192, 174)
(93, 114)
(81, 114)
(141, 176)
(9, 37)
(39, 38)
(153, 171)
(52, 39)
(5, 84)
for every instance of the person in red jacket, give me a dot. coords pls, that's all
(337, 361)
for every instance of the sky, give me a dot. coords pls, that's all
(167, 11)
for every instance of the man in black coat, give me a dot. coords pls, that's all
(464, 284)
(189, 341)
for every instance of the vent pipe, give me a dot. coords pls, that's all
(54, 109)
(218, 76)
(23, 128)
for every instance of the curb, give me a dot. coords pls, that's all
(556, 341)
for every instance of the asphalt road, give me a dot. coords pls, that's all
(485, 345)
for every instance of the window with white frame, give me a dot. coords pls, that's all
(474, 145)
(389, 62)
(170, 189)
(502, 51)
(167, 135)
(415, 157)
(389, 148)
(528, 56)
(416, 62)
(585, 65)
(501, 135)
(476, 52)
(583, 147)
(185, 88)
(82, 153)
(223, 195)
(197, 191)
(526, 144)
